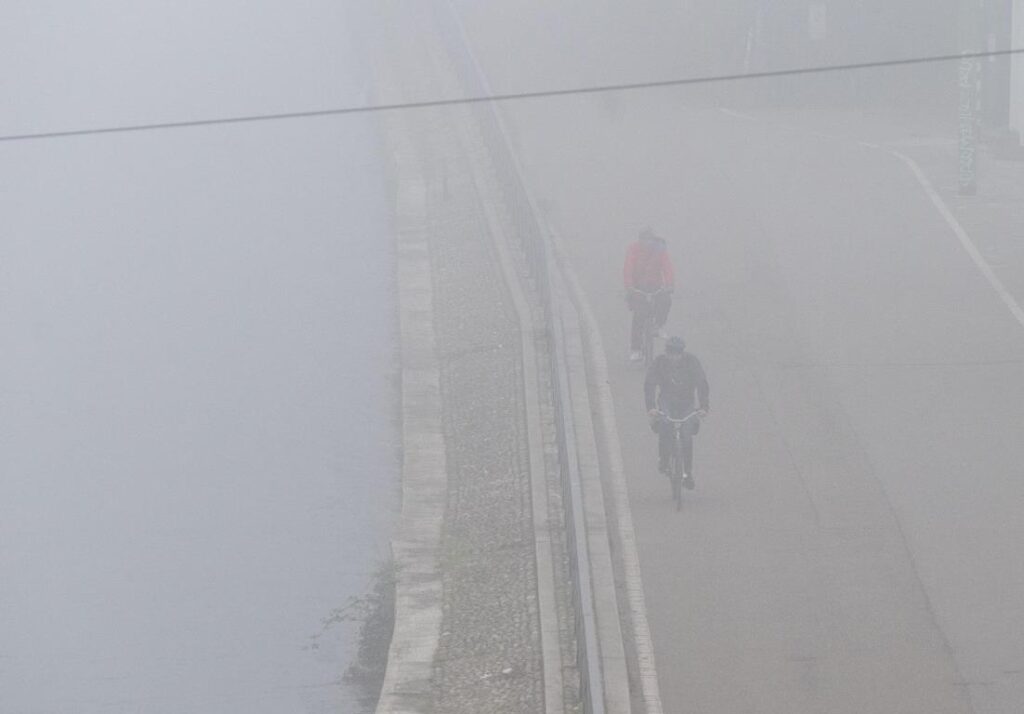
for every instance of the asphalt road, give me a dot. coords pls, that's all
(853, 542)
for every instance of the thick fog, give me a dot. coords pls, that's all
(197, 360)
(853, 541)
(198, 447)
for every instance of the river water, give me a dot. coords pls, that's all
(198, 466)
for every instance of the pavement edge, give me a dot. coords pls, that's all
(599, 535)
(584, 356)
(609, 449)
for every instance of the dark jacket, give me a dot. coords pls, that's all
(670, 386)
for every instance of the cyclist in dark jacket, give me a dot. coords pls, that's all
(677, 386)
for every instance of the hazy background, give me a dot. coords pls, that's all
(529, 45)
(197, 467)
(196, 359)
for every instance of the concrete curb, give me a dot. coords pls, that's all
(606, 607)
(610, 450)
(415, 546)
(615, 680)
(613, 664)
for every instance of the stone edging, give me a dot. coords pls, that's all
(415, 546)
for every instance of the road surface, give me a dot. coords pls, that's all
(853, 542)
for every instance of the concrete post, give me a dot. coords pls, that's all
(968, 80)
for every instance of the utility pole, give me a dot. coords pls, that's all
(1017, 72)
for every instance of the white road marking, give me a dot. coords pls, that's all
(983, 266)
(965, 240)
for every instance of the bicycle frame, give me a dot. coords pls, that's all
(676, 463)
(648, 333)
(678, 425)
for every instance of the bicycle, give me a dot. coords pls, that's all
(676, 463)
(649, 328)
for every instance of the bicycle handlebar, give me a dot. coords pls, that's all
(670, 420)
(657, 292)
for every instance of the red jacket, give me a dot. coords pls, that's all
(648, 266)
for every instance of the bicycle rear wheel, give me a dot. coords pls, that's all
(677, 482)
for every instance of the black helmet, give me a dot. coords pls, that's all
(647, 233)
(675, 346)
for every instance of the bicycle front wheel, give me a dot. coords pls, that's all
(648, 343)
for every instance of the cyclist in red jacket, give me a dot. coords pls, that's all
(648, 269)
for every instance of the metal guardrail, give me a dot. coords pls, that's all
(540, 262)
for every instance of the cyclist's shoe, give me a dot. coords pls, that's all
(688, 481)
(635, 356)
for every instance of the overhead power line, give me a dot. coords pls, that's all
(540, 94)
